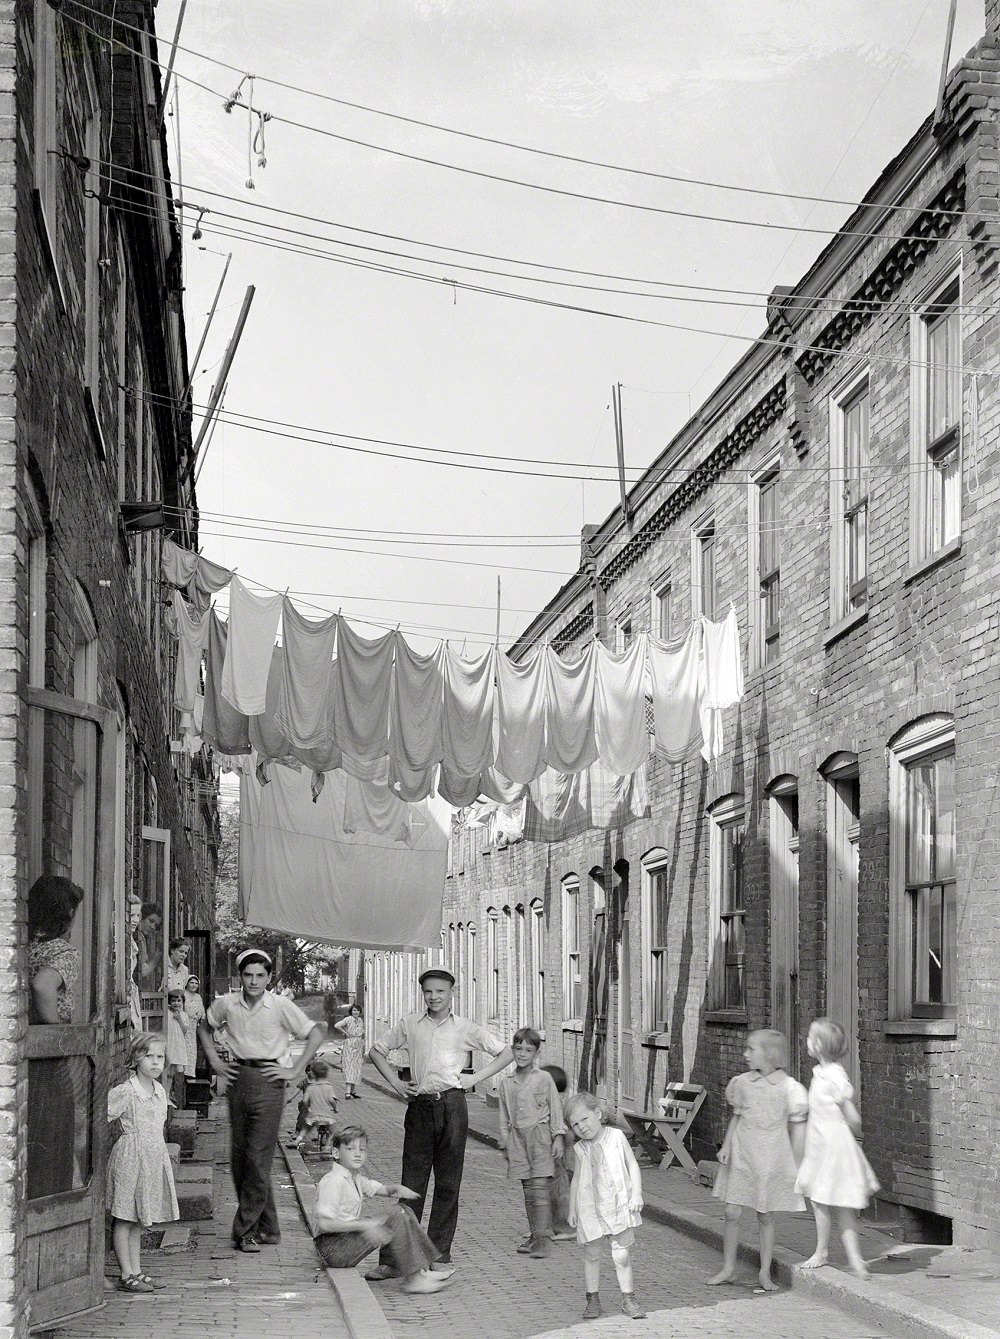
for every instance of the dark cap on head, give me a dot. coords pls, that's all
(441, 972)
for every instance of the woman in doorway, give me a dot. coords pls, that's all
(353, 1028)
(53, 971)
(195, 1009)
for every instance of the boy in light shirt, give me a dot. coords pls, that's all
(344, 1237)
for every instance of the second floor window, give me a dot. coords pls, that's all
(937, 422)
(661, 600)
(850, 482)
(572, 974)
(768, 567)
(704, 570)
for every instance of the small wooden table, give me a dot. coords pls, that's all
(661, 1133)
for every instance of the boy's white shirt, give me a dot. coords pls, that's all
(341, 1192)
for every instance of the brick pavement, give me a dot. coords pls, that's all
(212, 1289)
(499, 1293)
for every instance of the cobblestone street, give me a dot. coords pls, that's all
(496, 1292)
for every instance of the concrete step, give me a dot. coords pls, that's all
(182, 1129)
(194, 1183)
(174, 1153)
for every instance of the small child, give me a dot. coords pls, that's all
(140, 1187)
(302, 1083)
(178, 1025)
(559, 1185)
(344, 1238)
(605, 1200)
(834, 1173)
(761, 1150)
(531, 1130)
(320, 1103)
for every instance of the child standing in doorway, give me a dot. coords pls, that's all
(761, 1150)
(531, 1136)
(178, 1025)
(140, 1179)
(605, 1200)
(835, 1174)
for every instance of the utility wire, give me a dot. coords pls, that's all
(491, 140)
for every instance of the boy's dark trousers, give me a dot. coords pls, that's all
(434, 1134)
(410, 1249)
(255, 1107)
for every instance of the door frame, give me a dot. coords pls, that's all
(783, 843)
(842, 774)
(83, 1204)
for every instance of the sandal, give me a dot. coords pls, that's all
(153, 1283)
(134, 1284)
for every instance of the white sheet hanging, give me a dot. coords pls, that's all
(227, 729)
(253, 626)
(361, 677)
(559, 806)
(620, 707)
(571, 684)
(676, 676)
(416, 707)
(520, 717)
(302, 874)
(303, 696)
(191, 630)
(722, 672)
(466, 725)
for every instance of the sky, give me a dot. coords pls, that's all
(798, 97)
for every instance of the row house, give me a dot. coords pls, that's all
(95, 455)
(839, 489)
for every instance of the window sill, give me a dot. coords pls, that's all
(845, 625)
(572, 1025)
(928, 564)
(733, 1016)
(657, 1041)
(921, 1027)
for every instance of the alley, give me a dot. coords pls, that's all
(496, 1292)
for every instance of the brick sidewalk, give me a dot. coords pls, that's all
(496, 1292)
(214, 1290)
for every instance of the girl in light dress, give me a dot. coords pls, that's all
(178, 1027)
(761, 1150)
(194, 1008)
(835, 1174)
(605, 1200)
(531, 1136)
(140, 1188)
(353, 1050)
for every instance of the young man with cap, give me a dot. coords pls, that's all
(259, 1026)
(437, 1118)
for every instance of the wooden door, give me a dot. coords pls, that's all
(784, 863)
(68, 1063)
(155, 893)
(626, 1055)
(843, 834)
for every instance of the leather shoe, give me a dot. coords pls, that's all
(267, 1239)
(248, 1244)
(382, 1272)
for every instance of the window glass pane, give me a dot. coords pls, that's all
(60, 1103)
(919, 823)
(944, 847)
(707, 573)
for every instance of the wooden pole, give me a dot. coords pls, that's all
(945, 61)
(616, 399)
(498, 611)
(227, 362)
(170, 62)
(204, 333)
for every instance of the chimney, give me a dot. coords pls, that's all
(587, 534)
(782, 292)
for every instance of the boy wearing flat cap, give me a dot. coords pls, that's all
(260, 1026)
(437, 1118)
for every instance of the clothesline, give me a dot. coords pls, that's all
(437, 722)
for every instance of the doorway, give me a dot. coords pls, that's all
(784, 863)
(842, 869)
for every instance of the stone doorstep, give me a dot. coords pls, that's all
(194, 1183)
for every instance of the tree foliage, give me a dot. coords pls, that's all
(296, 956)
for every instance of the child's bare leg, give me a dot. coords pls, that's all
(621, 1258)
(120, 1233)
(592, 1266)
(135, 1244)
(847, 1223)
(730, 1241)
(821, 1212)
(765, 1226)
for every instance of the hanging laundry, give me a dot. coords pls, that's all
(560, 806)
(411, 784)
(225, 728)
(508, 821)
(497, 787)
(191, 630)
(417, 704)
(302, 874)
(177, 565)
(200, 576)
(370, 806)
(570, 739)
(361, 677)
(466, 724)
(620, 707)
(301, 713)
(676, 676)
(272, 744)
(253, 625)
(520, 717)
(722, 672)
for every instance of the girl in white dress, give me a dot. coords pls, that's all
(835, 1174)
(605, 1200)
(140, 1187)
(761, 1150)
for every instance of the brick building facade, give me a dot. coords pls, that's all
(94, 419)
(840, 490)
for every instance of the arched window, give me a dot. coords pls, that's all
(492, 964)
(728, 906)
(655, 903)
(472, 968)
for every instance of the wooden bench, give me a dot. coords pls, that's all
(661, 1133)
